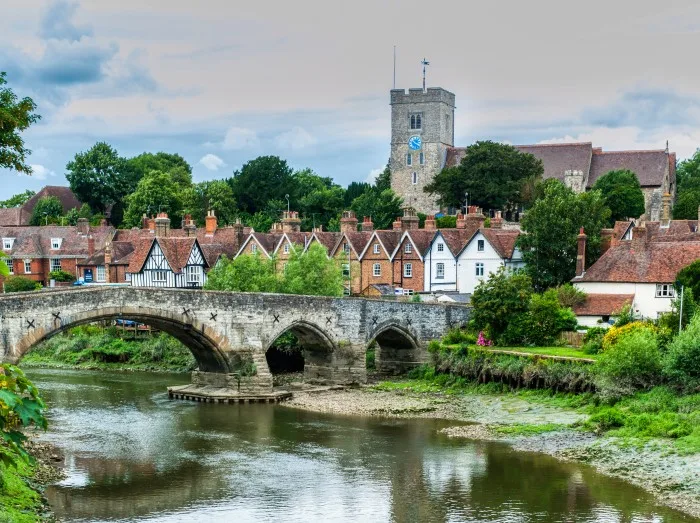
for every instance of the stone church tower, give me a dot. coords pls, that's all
(422, 128)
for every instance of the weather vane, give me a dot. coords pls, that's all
(424, 62)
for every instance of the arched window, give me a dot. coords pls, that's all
(415, 178)
(421, 157)
(409, 159)
(416, 121)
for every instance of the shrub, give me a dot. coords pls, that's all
(20, 284)
(681, 364)
(608, 418)
(593, 340)
(456, 336)
(615, 333)
(569, 296)
(61, 276)
(624, 316)
(548, 318)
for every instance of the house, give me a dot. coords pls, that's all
(109, 264)
(22, 215)
(287, 244)
(601, 310)
(408, 257)
(376, 267)
(175, 262)
(348, 248)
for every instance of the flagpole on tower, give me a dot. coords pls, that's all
(394, 67)
(424, 62)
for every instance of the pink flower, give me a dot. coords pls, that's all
(482, 341)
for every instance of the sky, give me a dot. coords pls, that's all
(223, 81)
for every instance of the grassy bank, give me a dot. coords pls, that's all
(20, 502)
(92, 347)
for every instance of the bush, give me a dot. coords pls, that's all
(615, 333)
(624, 316)
(633, 362)
(593, 340)
(20, 284)
(681, 364)
(458, 336)
(542, 323)
(569, 296)
(61, 276)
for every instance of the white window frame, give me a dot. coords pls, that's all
(127, 276)
(7, 244)
(440, 271)
(408, 270)
(409, 159)
(346, 248)
(421, 158)
(408, 249)
(10, 265)
(253, 248)
(100, 273)
(480, 245)
(665, 290)
(157, 276)
(440, 247)
(55, 264)
(377, 270)
(346, 270)
(56, 243)
(194, 275)
(285, 249)
(479, 269)
(414, 178)
(27, 266)
(375, 248)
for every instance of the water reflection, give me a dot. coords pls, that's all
(134, 455)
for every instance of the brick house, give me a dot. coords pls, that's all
(407, 258)
(376, 266)
(22, 215)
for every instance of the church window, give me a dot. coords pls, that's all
(409, 159)
(415, 178)
(421, 159)
(416, 121)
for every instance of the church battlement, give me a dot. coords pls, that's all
(417, 95)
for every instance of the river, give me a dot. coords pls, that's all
(134, 455)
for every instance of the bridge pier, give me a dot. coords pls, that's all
(246, 385)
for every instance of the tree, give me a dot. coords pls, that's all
(261, 180)
(101, 178)
(173, 164)
(74, 214)
(246, 273)
(354, 190)
(689, 277)
(687, 204)
(321, 206)
(15, 116)
(312, 273)
(492, 173)
(551, 228)
(216, 195)
(383, 207)
(47, 210)
(156, 192)
(622, 194)
(17, 200)
(383, 181)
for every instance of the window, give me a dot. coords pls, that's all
(346, 291)
(127, 276)
(286, 248)
(7, 243)
(193, 274)
(665, 290)
(407, 248)
(376, 269)
(480, 245)
(160, 276)
(284, 267)
(421, 159)
(346, 248)
(375, 248)
(441, 247)
(479, 269)
(409, 159)
(440, 271)
(346, 270)
(415, 178)
(10, 265)
(253, 248)
(408, 270)
(55, 243)
(416, 121)
(27, 266)
(101, 273)
(55, 264)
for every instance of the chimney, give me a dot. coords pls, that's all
(162, 223)
(665, 210)
(497, 221)
(409, 220)
(396, 225)
(83, 226)
(639, 236)
(320, 229)
(188, 225)
(291, 221)
(606, 240)
(348, 222)
(108, 259)
(430, 223)
(276, 227)
(152, 224)
(475, 217)
(581, 255)
(461, 224)
(238, 226)
(145, 222)
(91, 245)
(368, 226)
(210, 223)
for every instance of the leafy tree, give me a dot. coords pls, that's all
(15, 116)
(17, 200)
(101, 178)
(681, 363)
(622, 194)
(321, 206)
(73, 214)
(47, 210)
(632, 363)
(551, 228)
(383, 181)
(687, 204)
(173, 164)
(690, 278)
(20, 284)
(492, 173)
(261, 180)
(312, 273)
(156, 192)
(383, 207)
(5, 265)
(246, 273)
(216, 195)
(570, 296)
(354, 190)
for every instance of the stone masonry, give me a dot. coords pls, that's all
(223, 330)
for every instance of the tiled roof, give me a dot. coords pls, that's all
(298, 239)
(560, 157)
(9, 217)
(421, 239)
(64, 194)
(141, 249)
(603, 304)
(176, 250)
(457, 239)
(35, 241)
(503, 241)
(327, 239)
(649, 166)
(390, 239)
(357, 241)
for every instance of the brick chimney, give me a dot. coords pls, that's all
(152, 224)
(606, 240)
(319, 228)
(291, 221)
(474, 217)
(91, 245)
(396, 225)
(145, 222)
(368, 226)
(581, 254)
(238, 226)
(497, 221)
(348, 222)
(665, 210)
(108, 259)
(276, 227)
(639, 235)
(83, 226)
(188, 225)
(162, 225)
(409, 220)
(430, 223)
(461, 224)
(210, 223)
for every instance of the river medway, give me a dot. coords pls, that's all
(131, 454)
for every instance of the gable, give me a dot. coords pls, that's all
(196, 256)
(156, 259)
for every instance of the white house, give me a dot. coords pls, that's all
(439, 262)
(168, 262)
(486, 251)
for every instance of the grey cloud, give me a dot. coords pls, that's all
(646, 109)
(57, 23)
(66, 63)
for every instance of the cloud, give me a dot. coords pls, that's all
(211, 162)
(57, 23)
(40, 172)
(295, 139)
(69, 63)
(372, 176)
(238, 138)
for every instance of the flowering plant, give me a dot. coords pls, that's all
(482, 341)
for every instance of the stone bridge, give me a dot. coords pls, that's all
(230, 333)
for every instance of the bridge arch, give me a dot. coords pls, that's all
(318, 347)
(398, 348)
(210, 349)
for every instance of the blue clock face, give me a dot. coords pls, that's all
(415, 143)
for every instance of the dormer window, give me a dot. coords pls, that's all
(407, 248)
(56, 243)
(286, 248)
(253, 248)
(7, 243)
(375, 248)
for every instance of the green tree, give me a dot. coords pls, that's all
(73, 215)
(689, 277)
(156, 192)
(261, 180)
(15, 116)
(681, 363)
(622, 194)
(687, 204)
(17, 200)
(383, 207)
(321, 206)
(354, 190)
(312, 273)
(47, 210)
(383, 181)
(246, 273)
(551, 228)
(173, 164)
(492, 173)
(101, 178)
(216, 195)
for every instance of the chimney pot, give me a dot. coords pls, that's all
(210, 223)
(291, 221)
(348, 222)
(430, 223)
(367, 225)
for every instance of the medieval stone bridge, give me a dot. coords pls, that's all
(227, 332)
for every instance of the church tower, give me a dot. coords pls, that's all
(422, 128)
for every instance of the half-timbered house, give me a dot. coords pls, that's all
(168, 262)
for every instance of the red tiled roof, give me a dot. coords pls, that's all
(327, 239)
(603, 304)
(35, 241)
(421, 239)
(503, 241)
(456, 239)
(176, 250)
(64, 194)
(357, 241)
(141, 249)
(649, 166)
(10, 217)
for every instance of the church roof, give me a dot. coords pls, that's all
(649, 166)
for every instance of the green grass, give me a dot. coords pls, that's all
(568, 352)
(524, 429)
(19, 503)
